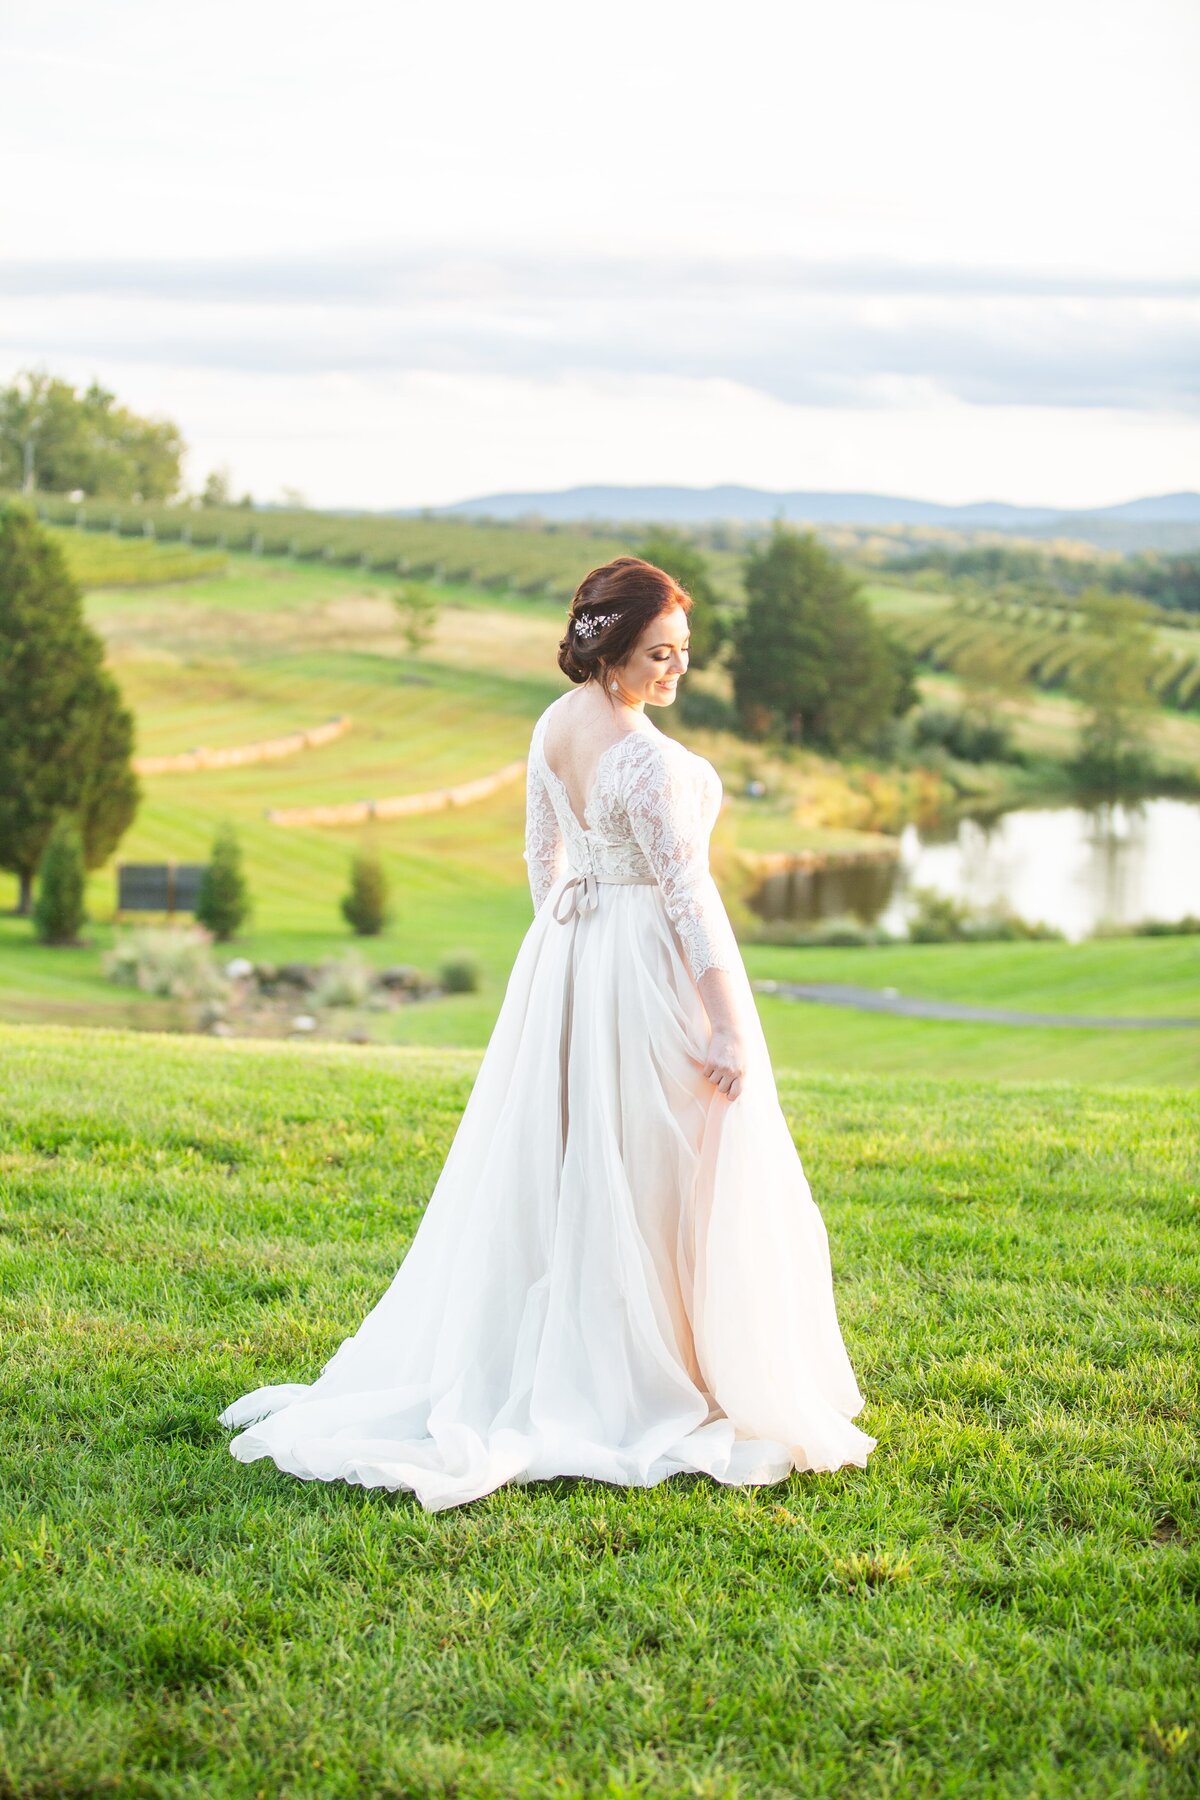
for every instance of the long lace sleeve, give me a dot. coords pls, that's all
(665, 805)
(545, 850)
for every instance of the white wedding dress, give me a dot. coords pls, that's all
(621, 1272)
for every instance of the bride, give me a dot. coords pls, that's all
(621, 1272)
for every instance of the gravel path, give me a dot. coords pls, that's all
(886, 1000)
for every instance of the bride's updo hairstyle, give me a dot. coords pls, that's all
(626, 594)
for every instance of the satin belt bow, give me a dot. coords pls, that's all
(584, 891)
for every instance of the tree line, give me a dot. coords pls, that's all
(1172, 582)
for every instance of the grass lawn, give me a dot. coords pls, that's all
(269, 647)
(1001, 1604)
(1132, 976)
(1118, 977)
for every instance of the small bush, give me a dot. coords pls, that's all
(342, 981)
(58, 910)
(707, 712)
(365, 907)
(823, 934)
(172, 960)
(936, 919)
(460, 975)
(223, 902)
(965, 736)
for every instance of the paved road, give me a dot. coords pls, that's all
(907, 1006)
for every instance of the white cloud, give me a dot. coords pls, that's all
(414, 439)
(664, 237)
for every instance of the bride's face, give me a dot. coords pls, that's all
(658, 659)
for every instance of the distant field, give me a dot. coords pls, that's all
(269, 647)
(1001, 1604)
(97, 561)
(1047, 646)
(528, 558)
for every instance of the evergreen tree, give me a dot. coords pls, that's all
(66, 739)
(809, 660)
(58, 911)
(686, 563)
(365, 906)
(223, 902)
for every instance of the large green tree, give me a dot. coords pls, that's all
(687, 564)
(66, 738)
(1112, 682)
(55, 439)
(809, 660)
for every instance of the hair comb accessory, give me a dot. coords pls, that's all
(589, 626)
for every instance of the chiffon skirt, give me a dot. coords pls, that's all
(621, 1273)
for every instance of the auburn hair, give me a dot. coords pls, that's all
(636, 592)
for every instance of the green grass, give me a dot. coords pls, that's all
(271, 646)
(1121, 977)
(530, 558)
(1142, 976)
(104, 561)
(1001, 1604)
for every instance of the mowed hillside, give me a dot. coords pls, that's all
(264, 647)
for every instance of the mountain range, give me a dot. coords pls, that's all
(694, 506)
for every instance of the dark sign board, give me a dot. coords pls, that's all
(158, 887)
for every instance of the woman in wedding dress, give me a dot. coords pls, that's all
(621, 1272)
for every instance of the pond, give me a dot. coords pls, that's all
(1073, 867)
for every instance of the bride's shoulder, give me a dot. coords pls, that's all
(650, 749)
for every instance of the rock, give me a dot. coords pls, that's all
(304, 1022)
(238, 968)
(401, 975)
(301, 975)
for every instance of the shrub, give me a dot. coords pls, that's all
(342, 981)
(704, 711)
(365, 907)
(937, 919)
(58, 911)
(460, 975)
(827, 934)
(966, 736)
(223, 902)
(172, 960)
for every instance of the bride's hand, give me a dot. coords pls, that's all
(725, 1066)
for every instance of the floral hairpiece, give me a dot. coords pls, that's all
(589, 626)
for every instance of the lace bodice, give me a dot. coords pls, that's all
(650, 813)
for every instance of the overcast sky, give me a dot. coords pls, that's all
(395, 255)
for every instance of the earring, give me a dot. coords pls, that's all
(613, 686)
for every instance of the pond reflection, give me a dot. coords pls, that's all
(1073, 867)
